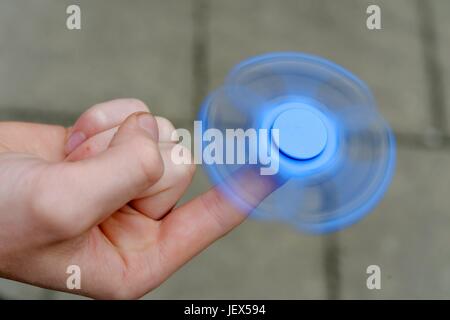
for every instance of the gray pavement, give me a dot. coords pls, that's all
(170, 53)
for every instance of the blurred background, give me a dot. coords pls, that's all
(171, 53)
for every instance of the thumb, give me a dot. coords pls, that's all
(74, 196)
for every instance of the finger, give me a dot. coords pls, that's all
(85, 192)
(165, 129)
(100, 141)
(101, 117)
(93, 146)
(160, 198)
(191, 228)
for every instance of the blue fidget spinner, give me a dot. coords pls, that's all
(335, 154)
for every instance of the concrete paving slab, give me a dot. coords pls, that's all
(141, 50)
(389, 60)
(255, 261)
(441, 24)
(407, 235)
(17, 291)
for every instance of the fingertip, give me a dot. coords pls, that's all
(148, 122)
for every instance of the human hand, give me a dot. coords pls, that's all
(103, 200)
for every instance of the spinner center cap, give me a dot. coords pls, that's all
(302, 134)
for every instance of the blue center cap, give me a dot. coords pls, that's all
(302, 133)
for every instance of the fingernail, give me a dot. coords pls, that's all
(148, 123)
(75, 139)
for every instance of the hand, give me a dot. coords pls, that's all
(100, 195)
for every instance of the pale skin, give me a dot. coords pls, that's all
(101, 195)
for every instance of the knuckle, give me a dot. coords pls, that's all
(92, 120)
(137, 103)
(94, 116)
(149, 158)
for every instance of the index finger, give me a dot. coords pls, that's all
(101, 117)
(189, 229)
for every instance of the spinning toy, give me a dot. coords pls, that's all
(330, 151)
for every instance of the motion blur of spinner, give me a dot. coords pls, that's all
(336, 152)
